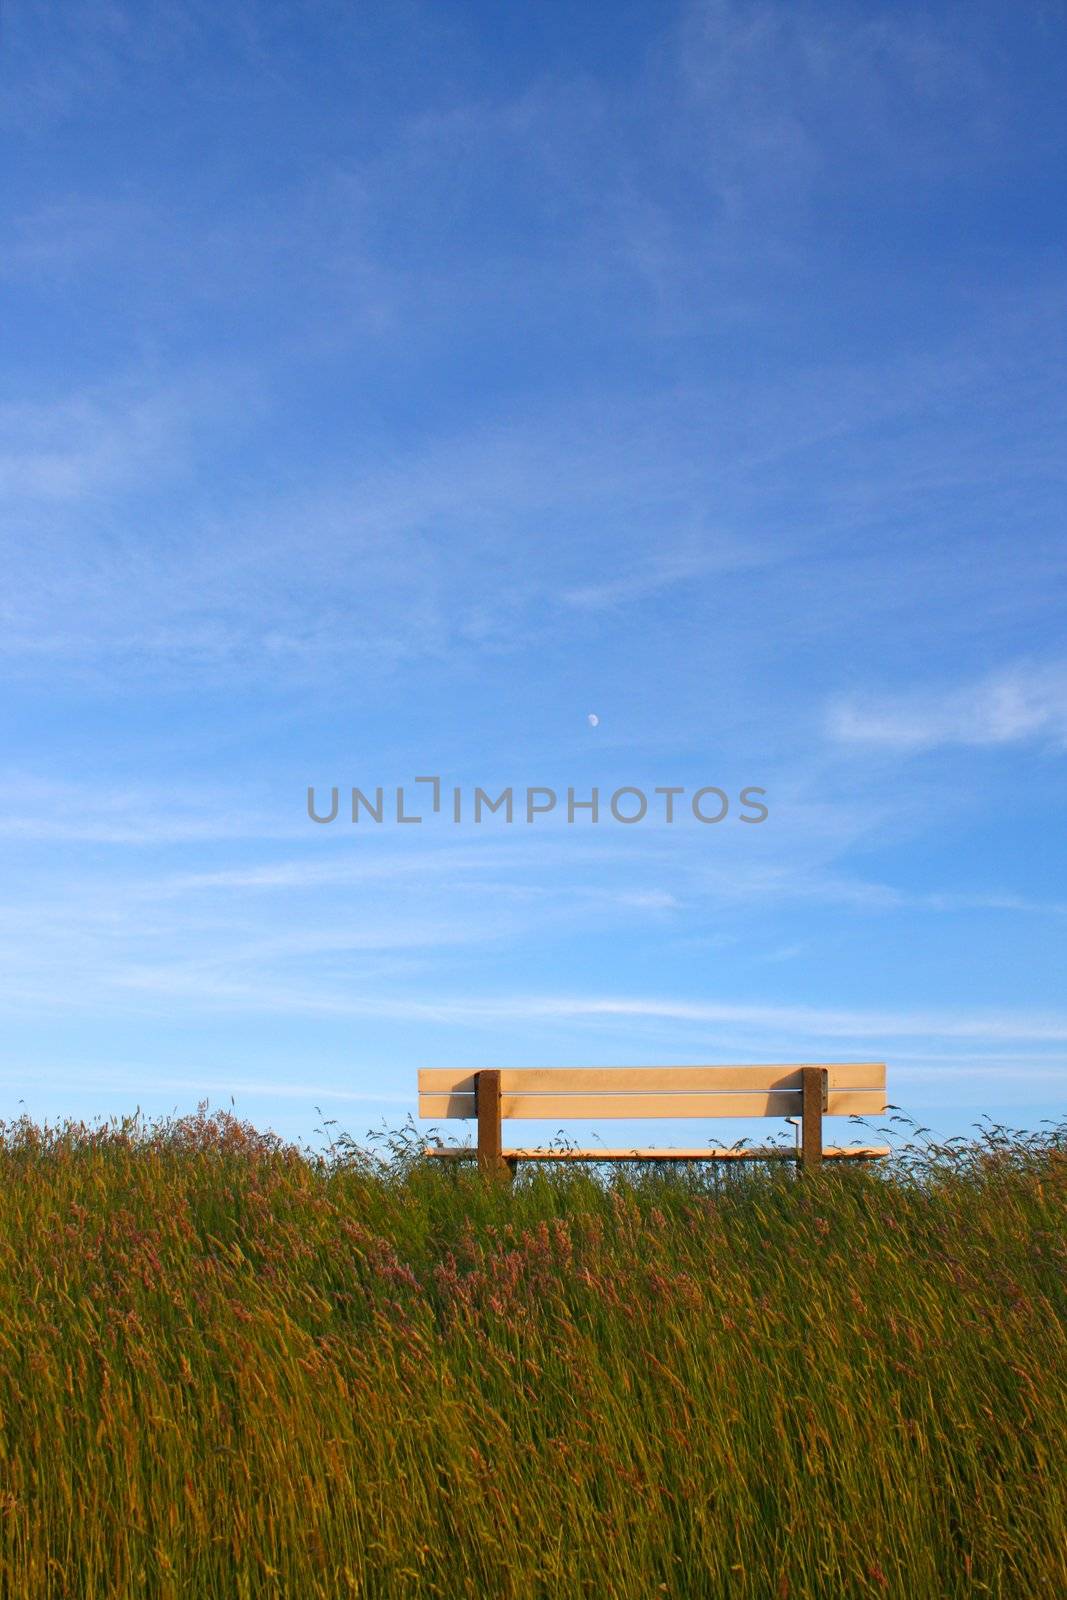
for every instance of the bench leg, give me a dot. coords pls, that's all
(490, 1132)
(813, 1104)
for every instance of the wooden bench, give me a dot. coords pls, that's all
(810, 1092)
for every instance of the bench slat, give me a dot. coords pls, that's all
(626, 1080)
(593, 1107)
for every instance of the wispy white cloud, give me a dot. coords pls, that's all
(65, 236)
(648, 578)
(491, 539)
(778, 1027)
(475, 543)
(74, 449)
(780, 84)
(807, 1021)
(105, 49)
(145, 1076)
(1018, 704)
(49, 810)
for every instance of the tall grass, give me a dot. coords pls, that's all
(232, 1368)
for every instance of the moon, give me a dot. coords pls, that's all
(593, 720)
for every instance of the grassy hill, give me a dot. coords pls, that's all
(232, 1368)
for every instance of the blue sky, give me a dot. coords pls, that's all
(387, 388)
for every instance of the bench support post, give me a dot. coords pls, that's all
(490, 1133)
(813, 1104)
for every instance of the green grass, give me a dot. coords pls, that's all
(232, 1368)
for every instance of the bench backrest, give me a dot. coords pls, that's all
(590, 1093)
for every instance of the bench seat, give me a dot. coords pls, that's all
(767, 1153)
